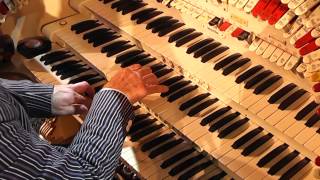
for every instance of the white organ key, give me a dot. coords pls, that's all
(303, 8)
(255, 44)
(276, 55)
(314, 18)
(250, 5)
(306, 134)
(283, 59)
(302, 68)
(313, 67)
(269, 51)
(285, 19)
(232, 2)
(291, 63)
(299, 34)
(295, 3)
(312, 57)
(285, 1)
(241, 3)
(262, 48)
(313, 143)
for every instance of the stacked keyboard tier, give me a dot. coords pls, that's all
(230, 133)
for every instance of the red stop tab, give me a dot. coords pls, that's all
(3, 8)
(237, 32)
(316, 87)
(261, 5)
(312, 46)
(279, 12)
(267, 12)
(224, 26)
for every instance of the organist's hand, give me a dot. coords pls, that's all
(70, 99)
(136, 82)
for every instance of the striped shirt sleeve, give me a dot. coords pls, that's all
(93, 154)
(35, 97)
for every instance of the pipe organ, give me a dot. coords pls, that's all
(242, 77)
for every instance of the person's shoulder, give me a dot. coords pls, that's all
(7, 108)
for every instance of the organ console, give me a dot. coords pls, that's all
(242, 76)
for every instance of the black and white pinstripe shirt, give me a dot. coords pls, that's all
(94, 152)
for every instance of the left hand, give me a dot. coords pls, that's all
(70, 99)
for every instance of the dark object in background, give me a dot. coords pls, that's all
(7, 48)
(34, 46)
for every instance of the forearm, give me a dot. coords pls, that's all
(35, 97)
(101, 137)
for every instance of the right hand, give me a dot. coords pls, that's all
(136, 82)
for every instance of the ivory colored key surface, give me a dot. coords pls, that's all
(291, 63)
(295, 3)
(314, 20)
(262, 48)
(255, 44)
(306, 134)
(300, 33)
(233, 2)
(304, 7)
(276, 55)
(284, 58)
(311, 57)
(313, 143)
(241, 3)
(269, 51)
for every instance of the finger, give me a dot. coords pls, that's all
(144, 71)
(75, 109)
(83, 88)
(151, 79)
(78, 99)
(156, 89)
(135, 67)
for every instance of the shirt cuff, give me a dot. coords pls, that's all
(108, 89)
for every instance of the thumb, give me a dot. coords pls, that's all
(75, 109)
(83, 88)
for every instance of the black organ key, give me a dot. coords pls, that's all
(218, 176)
(119, 49)
(107, 1)
(283, 162)
(156, 141)
(140, 117)
(141, 13)
(185, 164)
(206, 49)
(53, 54)
(133, 7)
(104, 40)
(113, 45)
(271, 155)
(312, 120)
(247, 74)
(226, 61)
(65, 70)
(55, 59)
(128, 55)
(83, 78)
(291, 99)
(175, 87)
(306, 110)
(199, 45)
(157, 67)
(65, 65)
(265, 85)
(164, 25)
(222, 122)
(193, 101)
(146, 61)
(136, 136)
(127, 5)
(97, 32)
(173, 159)
(228, 70)
(165, 147)
(256, 144)
(214, 115)
(172, 80)
(213, 54)
(141, 124)
(282, 92)
(169, 29)
(85, 26)
(163, 72)
(214, 21)
(181, 93)
(134, 60)
(295, 169)
(74, 72)
(94, 80)
(187, 38)
(243, 36)
(195, 110)
(158, 21)
(148, 16)
(258, 78)
(118, 4)
(180, 34)
(228, 130)
(193, 171)
(245, 138)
